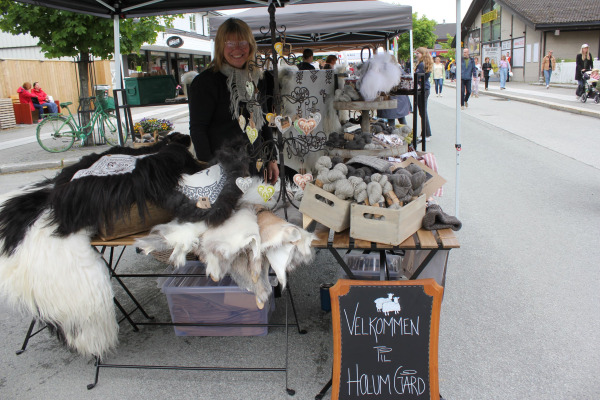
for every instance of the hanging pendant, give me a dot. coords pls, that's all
(250, 89)
(266, 191)
(242, 122)
(259, 164)
(252, 133)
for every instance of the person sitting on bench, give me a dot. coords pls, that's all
(26, 97)
(43, 98)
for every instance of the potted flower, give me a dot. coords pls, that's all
(151, 125)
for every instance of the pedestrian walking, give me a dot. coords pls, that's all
(476, 78)
(424, 65)
(504, 71)
(447, 68)
(466, 77)
(583, 63)
(509, 61)
(453, 71)
(438, 76)
(487, 70)
(548, 65)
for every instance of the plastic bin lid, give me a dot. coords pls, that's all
(198, 284)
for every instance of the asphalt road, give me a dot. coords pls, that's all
(520, 316)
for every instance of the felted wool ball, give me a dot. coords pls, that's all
(417, 180)
(324, 162)
(402, 185)
(337, 160)
(375, 192)
(360, 188)
(344, 189)
(413, 168)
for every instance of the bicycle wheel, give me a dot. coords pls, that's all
(56, 134)
(109, 129)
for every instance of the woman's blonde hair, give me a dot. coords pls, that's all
(233, 27)
(587, 56)
(427, 59)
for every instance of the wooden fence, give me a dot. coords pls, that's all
(58, 79)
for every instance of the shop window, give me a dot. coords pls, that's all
(491, 14)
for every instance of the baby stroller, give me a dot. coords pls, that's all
(589, 86)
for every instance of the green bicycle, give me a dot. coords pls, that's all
(57, 133)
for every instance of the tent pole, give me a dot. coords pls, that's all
(457, 146)
(118, 67)
(412, 61)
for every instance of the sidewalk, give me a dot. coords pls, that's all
(558, 97)
(20, 151)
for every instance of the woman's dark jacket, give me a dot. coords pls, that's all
(580, 64)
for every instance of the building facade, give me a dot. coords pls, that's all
(524, 31)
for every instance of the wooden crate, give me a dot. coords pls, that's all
(325, 207)
(395, 226)
(132, 223)
(7, 114)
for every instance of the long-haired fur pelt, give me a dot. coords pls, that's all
(64, 283)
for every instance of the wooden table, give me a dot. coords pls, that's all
(429, 241)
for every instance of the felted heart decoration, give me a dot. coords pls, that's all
(242, 122)
(301, 180)
(283, 123)
(316, 116)
(243, 183)
(304, 125)
(266, 191)
(279, 48)
(250, 89)
(252, 133)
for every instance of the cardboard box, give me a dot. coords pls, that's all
(201, 300)
(395, 226)
(433, 181)
(325, 208)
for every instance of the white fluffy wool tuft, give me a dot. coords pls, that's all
(380, 74)
(62, 281)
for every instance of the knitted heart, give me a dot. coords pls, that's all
(283, 123)
(266, 192)
(279, 48)
(243, 183)
(316, 116)
(252, 133)
(304, 125)
(302, 180)
(242, 122)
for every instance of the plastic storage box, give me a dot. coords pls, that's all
(150, 89)
(366, 266)
(201, 300)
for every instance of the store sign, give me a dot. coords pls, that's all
(519, 42)
(174, 41)
(385, 338)
(487, 17)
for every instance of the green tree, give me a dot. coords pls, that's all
(67, 34)
(447, 45)
(423, 36)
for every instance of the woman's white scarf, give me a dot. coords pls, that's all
(237, 81)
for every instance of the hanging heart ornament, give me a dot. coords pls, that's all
(305, 125)
(283, 123)
(252, 133)
(250, 89)
(242, 122)
(270, 117)
(266, 192)
(279, 48)
(243, 183)
(302, 179)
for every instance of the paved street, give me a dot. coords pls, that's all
(520, 317)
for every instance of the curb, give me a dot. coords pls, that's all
(537, 102)
(36, 166)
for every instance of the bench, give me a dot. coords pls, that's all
(23, 113)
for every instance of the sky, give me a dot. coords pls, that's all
(438, 10)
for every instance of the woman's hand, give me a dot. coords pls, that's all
(272, 172)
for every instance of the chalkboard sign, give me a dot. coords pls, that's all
(385, 338)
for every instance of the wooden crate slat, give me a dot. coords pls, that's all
(449, 240)
(427, 239)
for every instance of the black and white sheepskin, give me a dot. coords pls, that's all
(47, 266)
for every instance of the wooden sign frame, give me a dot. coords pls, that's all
(430, 288)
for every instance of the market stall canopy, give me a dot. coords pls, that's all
(144, 8)
(327, 24)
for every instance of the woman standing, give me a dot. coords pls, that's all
(583, 63)
(487, 68)
(476, 78)
(224, 107)
(504, 70)
(438, 76)
(424, 65)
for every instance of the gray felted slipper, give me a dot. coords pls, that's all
(435, 218)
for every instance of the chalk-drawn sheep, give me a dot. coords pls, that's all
(391, 306)
(379, 302)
